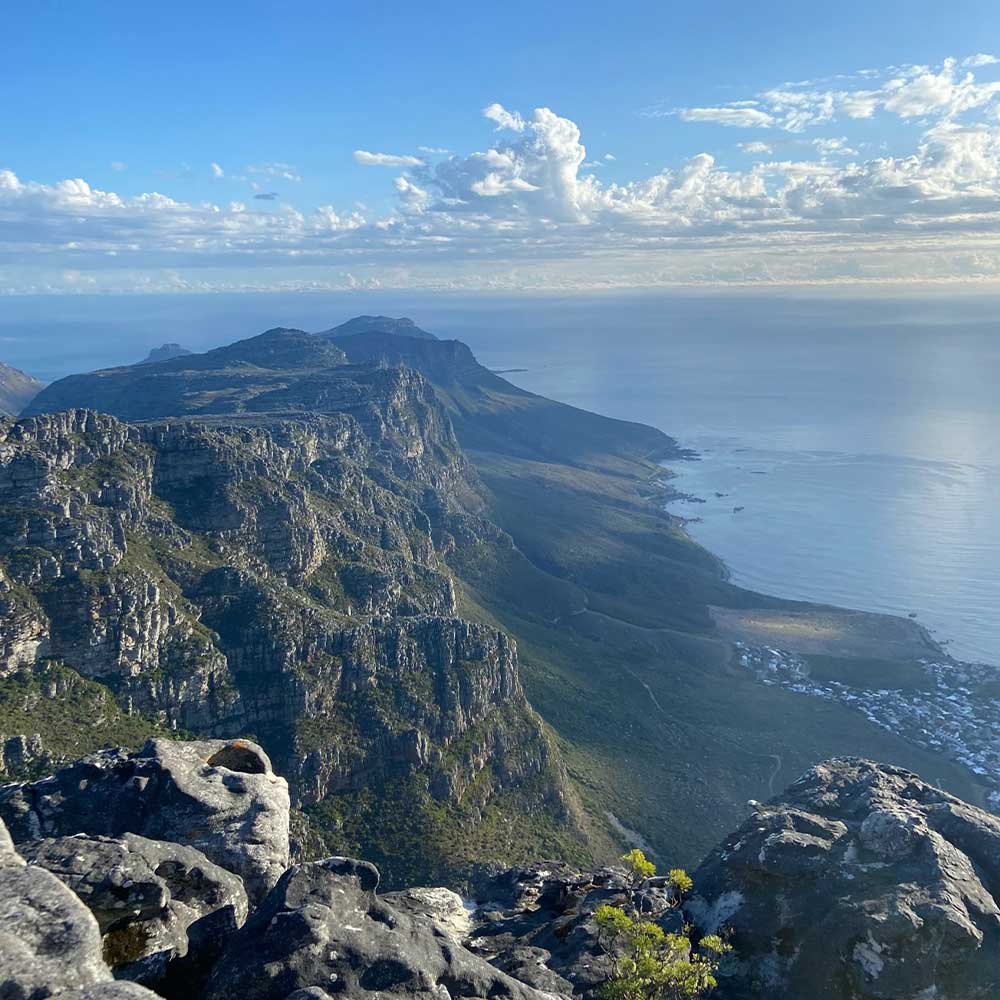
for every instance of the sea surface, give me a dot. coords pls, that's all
(859, 435)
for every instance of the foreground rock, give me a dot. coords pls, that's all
(863, 882)
(50, 944)
(219, 797)
(164, 910)
(323, 930)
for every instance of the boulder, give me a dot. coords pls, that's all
(860, 881)
(49, 941)
(164, 910)
(220, 797)
(323, 928)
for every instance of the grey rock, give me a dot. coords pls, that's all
(8, 856)
(111, 991)
(860, 881)
(49, 941)
(220, 797)
(323, 927)
(163, 909)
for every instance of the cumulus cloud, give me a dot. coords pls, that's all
(504, 118)
(526, 209)
(367, 159)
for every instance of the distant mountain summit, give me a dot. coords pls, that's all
(164, 353)
(401, 327)
(17, 389)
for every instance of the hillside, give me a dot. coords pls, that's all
(615, 610)
(17, 389)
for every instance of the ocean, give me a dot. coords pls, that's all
(858, 435)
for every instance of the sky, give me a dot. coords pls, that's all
(223, 147)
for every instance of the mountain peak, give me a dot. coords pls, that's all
(164, 353)
(401, 326)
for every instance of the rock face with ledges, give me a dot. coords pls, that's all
(860, 881)
(276, 567)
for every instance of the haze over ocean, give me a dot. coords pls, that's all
(861, 434)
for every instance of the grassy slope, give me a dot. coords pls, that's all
(611, 605)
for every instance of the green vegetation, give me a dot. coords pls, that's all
(69, 714)
(647, 962)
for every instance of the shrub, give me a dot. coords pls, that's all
(650, 964)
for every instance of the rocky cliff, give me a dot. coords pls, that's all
(276, 567)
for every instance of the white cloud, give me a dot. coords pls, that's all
(279, 171)
(433, 150)
(980, 59)
(525, 210)
(504, 118)
(610, 156)
(367, 159)
(833, 147)
(118, 166)
(738, 117)
(907, 91)
(217, 171)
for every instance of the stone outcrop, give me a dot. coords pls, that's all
(860, 881)
(221, 798)
(323, 927)
(163, 909)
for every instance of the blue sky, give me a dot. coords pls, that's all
(225, 146)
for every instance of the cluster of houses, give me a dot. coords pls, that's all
(958, 713)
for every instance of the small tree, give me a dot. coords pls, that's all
(638, 867)
(650, 964)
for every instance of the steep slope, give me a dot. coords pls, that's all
(17, 389)
(617, 614)
(280, 572)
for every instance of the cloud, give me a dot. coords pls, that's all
(281, 171)
(217, 171)
(433, 150)
(738, 117)
(833, 147)
(367, 159)
(910, 91)
(504, 118)
(980, 59)
(117, 166)
(525, 210)
(610, 156)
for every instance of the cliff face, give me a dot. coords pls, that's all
(281, 576)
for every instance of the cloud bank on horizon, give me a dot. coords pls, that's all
(804, 194)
